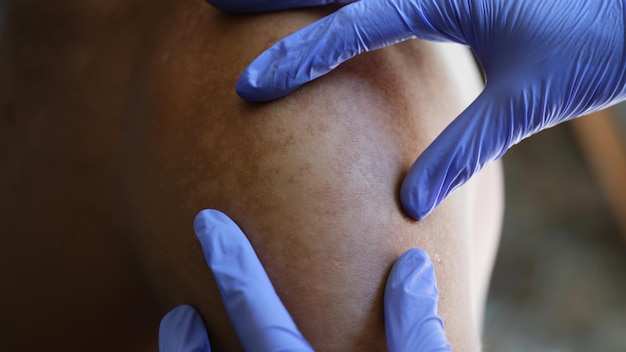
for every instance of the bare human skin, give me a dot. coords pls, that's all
(120, 122)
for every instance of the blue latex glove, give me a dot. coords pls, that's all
(262, 322)
(545, 62)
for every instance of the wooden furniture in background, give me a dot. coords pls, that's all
(603, 141)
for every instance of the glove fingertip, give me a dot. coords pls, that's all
(414, 198)
(182, 330)
(266, 78)
(248, 89)
(218, 235)
(414, 271)
(257, 82)
(206, 221)
(251, 90)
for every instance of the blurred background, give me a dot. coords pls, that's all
(559, 282)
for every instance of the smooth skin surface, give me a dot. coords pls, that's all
(121, 122)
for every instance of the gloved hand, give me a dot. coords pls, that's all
(545, 62)
(262, 322)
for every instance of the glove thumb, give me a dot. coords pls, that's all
(182, 330)
(411, 320)
(481, 134)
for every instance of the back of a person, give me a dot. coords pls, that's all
(133, 126)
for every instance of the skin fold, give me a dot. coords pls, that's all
(120, 122)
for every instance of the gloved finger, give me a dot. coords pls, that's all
(480, 134)
(411, 320)
(182, 330)
(320, 47)
(259, 317)
(356, 28)
(251, 6)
